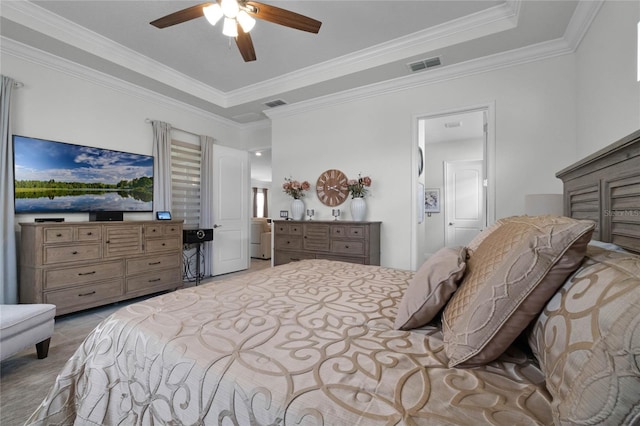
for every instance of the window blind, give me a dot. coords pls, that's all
(185, 182)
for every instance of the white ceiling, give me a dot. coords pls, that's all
(360, 43)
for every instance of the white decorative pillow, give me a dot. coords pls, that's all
(431, 287)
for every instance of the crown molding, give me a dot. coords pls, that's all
(506, 15)
(490, 21)
(495, 19)
(39, 57)
(59, 28)
(581, 20)
(485, 64)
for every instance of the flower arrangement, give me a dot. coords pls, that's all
(295, 188)
(358, 188)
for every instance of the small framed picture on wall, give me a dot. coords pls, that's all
(432, 200)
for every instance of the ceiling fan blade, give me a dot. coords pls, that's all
(282, 17)
(180, 16)
(245, 45)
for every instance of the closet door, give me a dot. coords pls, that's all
(231, 210)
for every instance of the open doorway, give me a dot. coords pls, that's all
(456, 151)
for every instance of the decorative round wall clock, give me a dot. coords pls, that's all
(332, 188)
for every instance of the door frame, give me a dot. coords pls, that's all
(489, 151)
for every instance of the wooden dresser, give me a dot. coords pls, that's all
(79, 265)
(355, 242)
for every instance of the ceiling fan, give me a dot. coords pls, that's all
(239, 20)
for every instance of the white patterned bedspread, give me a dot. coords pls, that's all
(307, 343)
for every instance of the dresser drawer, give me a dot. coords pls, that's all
(289, 228)
(288, 243)
(347, 247)
(347, 231)
(359, 260)
(146, 264)
(152, 281)
(282, 257)
(84, 295)
(153, 230)
(75, 253)
(58, 235)
(89, 233)
(157, 245)
(355, 231)
(172, 230)
(64, 277)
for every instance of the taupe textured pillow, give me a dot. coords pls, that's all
(431, 287)
(587, 340)
(478, 239)
(510, 276)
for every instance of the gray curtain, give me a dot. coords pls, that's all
(255, 201)
(266, 203)
(8, 258)
(161, 165)
(206, 198)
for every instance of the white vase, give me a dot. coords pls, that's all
(297, 209)
(358, 209)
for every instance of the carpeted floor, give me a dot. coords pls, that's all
(25, 380)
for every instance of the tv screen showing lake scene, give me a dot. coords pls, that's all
(56, 177)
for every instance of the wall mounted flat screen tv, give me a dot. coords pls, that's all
(59, 177)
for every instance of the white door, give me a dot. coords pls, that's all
(231, 207)
(464, 201)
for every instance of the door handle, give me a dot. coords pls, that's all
(217, 226)
(450, 223)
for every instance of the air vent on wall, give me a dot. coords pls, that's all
(275, 103)
(424, 64)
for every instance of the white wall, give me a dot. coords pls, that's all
(535, 137)
(608, 102)
(74, 107)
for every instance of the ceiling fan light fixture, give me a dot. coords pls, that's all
(230, 8)
(213, 13)
(245, 21)
(230, 28)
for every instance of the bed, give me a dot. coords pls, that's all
(321, 342)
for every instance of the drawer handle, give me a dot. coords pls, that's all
(154, 263)
(89, 233)
(86, 273)
(74, 252)
(338, 231)
(155, 280)
(87, 294)
(163, 244)
(294, 259)
(153, 230)
(58, 235)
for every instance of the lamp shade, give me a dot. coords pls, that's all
(213, 13)
(230, 27)
(539, 204)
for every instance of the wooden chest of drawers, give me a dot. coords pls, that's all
(355, 242)
(80, 265)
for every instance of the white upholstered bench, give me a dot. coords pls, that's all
(24, 325)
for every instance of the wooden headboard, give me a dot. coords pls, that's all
(605, 187)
